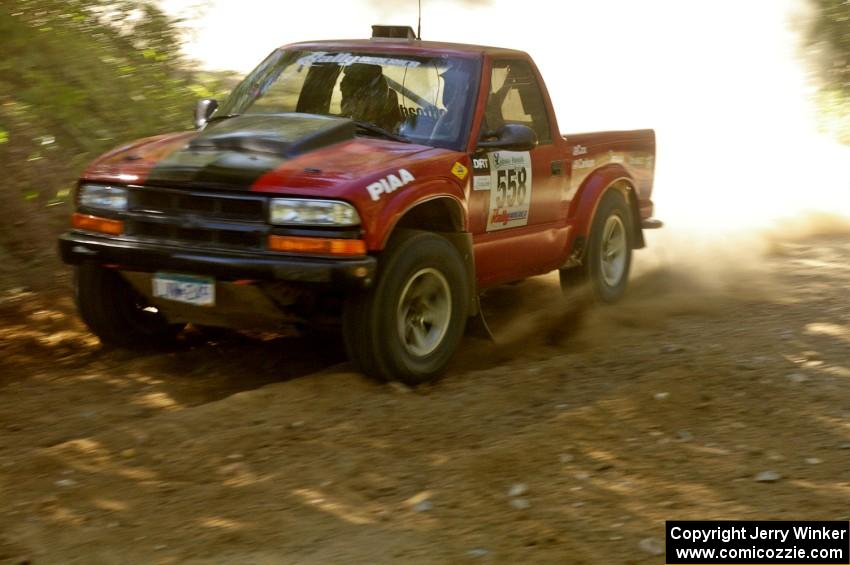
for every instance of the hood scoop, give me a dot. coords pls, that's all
(232, 154)
(281, 135)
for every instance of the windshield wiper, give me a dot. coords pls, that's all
(372, 128)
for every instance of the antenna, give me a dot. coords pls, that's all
(419, 23)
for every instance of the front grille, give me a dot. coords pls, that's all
(197, 219)
(213, 206)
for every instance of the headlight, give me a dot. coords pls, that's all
(103, 197)
(302, 212)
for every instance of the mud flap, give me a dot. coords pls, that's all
(476, 326)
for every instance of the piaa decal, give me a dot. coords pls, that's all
(389, 184)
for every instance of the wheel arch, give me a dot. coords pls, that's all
(590, 194)
(442, 215)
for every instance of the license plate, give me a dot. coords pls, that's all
(199, 291)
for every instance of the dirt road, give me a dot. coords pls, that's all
(571, 441)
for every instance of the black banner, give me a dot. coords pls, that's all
(758, 543)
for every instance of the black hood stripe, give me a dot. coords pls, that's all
(226, 170)
(234, 153)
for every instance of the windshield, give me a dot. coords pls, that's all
(420, 99)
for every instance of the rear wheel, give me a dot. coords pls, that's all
(409, 324)
(116, 313)
(608, 257)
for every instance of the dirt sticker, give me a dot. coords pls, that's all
(480, 172)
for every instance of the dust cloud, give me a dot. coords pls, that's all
(741, 171)
(535, 315)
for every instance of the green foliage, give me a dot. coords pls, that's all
(78, 77)
(835, 114)
(831, 29)
(831, 33)
(79, 68)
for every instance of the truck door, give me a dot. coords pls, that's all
(516, 200)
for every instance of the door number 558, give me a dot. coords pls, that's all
(511, 187)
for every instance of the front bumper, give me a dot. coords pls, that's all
(77, 247)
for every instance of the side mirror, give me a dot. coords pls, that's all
(511, 137)
(203, 111)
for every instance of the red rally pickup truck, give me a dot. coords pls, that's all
(384, 182)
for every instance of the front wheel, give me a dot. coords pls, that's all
(608, 258)
(409, 324)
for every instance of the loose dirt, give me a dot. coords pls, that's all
(571, 440)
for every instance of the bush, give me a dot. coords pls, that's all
(830, 33)
(76, 78)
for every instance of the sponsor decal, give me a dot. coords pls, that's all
(579, 150)
(346, 59)
(389, 184)
(510, 189)
(582, 167)
(584, 164)
(412, 112)
(481, 172)
(459, 170)
(481, 182)
(503, 217)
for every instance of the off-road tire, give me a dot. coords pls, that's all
(605, 284)
(115, 312)
(377, 322)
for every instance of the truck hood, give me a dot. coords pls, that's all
(270, 153)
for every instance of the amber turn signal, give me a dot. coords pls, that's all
(98, 224)
(317, 245)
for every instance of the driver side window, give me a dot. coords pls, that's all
(515, 98)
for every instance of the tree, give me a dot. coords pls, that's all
(830, 33)
(831, 29)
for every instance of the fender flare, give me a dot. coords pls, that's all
(433, 190)
(410, 198)
(589, 194)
